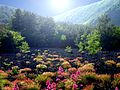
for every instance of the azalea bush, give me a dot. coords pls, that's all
(59, 73)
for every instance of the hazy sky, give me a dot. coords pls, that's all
(43, 7)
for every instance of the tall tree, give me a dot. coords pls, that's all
(105, 27)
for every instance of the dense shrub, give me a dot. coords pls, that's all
(90, 42)
(19, 42)
(68, 49)
(11, 41)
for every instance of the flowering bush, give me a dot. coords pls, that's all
(23, 84)
(69, 84)
(50, 86)
(87, 68)
(25, 70)
(118, 65)
(3, 74)
(110, 62)
(57, 73)
(66, 64)
(116, 81)
(87, 78)
(41, 66)
(104, 80)
(89, 87)
(39, 58)
(72, 70)
(20, 77)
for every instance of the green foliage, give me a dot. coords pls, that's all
(90, 42)
(3, 81)
(11, 40)
(19, 42)
(63, 37)
(15, 71)
(44, 32)
(93, 43)
(109, 33)
(82, 44)
(17, 37)
(68, 49)
(42, 79)
(24, 48)
(3, 34)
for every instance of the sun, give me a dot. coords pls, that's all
(59, 4)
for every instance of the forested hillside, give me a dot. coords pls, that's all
(6, 14)
(41, 32)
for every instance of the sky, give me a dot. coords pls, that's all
(46, 7)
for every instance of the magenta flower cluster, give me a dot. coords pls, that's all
(50, 86)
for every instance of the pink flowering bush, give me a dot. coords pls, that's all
(50, 86)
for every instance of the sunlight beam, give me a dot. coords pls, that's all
(59, 4)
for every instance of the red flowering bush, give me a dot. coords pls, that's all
(72, 70)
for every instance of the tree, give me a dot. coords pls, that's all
(11, 41)
(25, 23)
(106, 30)
(17, 21)
(109, 34)
(3, 33)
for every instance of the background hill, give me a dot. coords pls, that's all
(6, 13)
(90, 13)
(81, 15)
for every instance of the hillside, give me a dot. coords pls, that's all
(90, 13)
(83, 15)
(6, 14)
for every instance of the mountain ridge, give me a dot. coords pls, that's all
(81, 15)
(90, 13)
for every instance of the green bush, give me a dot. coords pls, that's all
(90, 42)
(63, 37)
(93, 43)
(82, 43)
(19, 42)
(68, 49)
(15, 71)
(12, 41)
(24, 48)
(3, 82)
